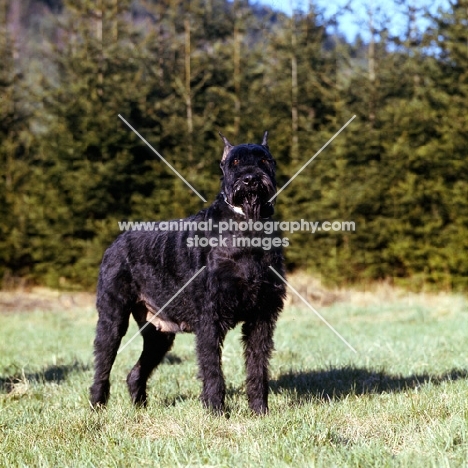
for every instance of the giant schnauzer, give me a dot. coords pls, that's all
(141, 271)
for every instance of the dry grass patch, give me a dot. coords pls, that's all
(373, 294)
(38, 298)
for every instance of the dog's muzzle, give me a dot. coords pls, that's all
(250, 196)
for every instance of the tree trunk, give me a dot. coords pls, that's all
(237, 77)
(188, 91)
(294, 94)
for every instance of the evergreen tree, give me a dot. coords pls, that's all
(16, 155)
(91, 161)
(179, 71)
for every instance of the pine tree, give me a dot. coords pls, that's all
(16, 156)
(91, 162)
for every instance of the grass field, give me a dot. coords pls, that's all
(401, 401)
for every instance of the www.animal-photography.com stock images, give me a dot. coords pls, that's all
(233, 233)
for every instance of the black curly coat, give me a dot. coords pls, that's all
(141, 271)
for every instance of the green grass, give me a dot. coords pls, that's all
(401, 401)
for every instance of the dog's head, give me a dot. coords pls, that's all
(249, 178)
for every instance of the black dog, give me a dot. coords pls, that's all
(142, 271)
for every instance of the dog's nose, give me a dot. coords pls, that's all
(249, 179)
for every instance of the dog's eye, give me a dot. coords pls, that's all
(235, 162)
(264, 161)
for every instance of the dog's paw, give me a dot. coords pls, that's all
(259, 408)
(214, 406)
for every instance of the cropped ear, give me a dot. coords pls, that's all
(227, 147)
(265, 139)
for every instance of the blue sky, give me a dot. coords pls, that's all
(351, 24)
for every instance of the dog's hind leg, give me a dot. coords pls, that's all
(155, 345)
(111, 327)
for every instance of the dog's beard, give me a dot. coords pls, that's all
(254, 200)
(254, 208)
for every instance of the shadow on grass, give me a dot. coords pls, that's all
(336, 384)
(171, 359)
(53, 373)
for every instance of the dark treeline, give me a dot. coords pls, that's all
(181, 70)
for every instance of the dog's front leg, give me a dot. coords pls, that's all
(209, 339)
(258, 346)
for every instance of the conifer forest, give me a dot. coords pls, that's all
(179, 71)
